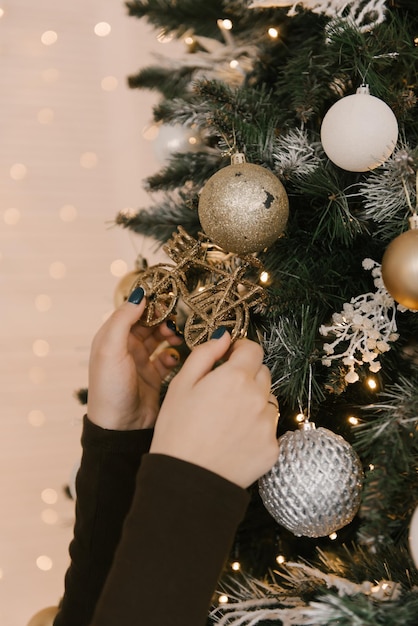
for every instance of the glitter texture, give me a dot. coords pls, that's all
(243, 208)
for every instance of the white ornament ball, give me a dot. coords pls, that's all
(359, 132)
(175, 138)
(413, 537)
(315, 486)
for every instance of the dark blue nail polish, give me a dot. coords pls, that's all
(171, 324)
(136, 296)
(218, 332)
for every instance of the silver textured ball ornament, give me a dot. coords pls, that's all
(315, 486)
(243, 208)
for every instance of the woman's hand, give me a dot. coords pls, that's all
(224, 418)
(127, 366)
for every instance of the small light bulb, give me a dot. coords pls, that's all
(189, 41)
(416, 41)
(300, 417)
(371, 383)
(227, 24)
(353, 420)
(223, 599)
(264, 277)
(273, 33)
(234, 64)
(371, 467)
(236, 566)
(49, 37)
(280, 559)
(333, 536)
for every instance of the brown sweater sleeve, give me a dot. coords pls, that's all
(174, 543)
(105, 485)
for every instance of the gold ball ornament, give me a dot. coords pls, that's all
(413, 537)
(400, 268)
(243, 207)
(45, 617)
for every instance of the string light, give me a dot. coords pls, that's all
(353, 420)
(300, 417)
(189, 41)
(1, 12)
(333, 536)
(273, 32)
(371, 467)
(280, 559)
(223, 599)
(226, 24)
(371, 383)
(236, 566)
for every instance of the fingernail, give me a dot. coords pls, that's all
(218, 332)
(136, 296)
(171, 324)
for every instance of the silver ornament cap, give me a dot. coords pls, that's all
(315, 486)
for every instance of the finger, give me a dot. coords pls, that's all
(115, 331)
(152, 337)
(247, 355)
(263, 378)
(203, 358)
(165, 361)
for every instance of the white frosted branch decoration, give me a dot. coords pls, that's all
(367, 323)
(365, 14)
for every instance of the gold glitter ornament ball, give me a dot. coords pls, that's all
(400, 269)
(244, 207)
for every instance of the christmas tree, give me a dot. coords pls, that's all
(312, 106)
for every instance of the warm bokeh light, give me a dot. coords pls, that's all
(102, 29)
(333, 536)
(43, 302)
(50, 75)
(49, 37)
(353, 420)
(49, 516)
(118, 267)
(227, 24)
(57, 270)
(36, 418)
(236, 566)
(18, 171)
(223, 599)
(68, 213)
(40, 347)
(44, 563)
(273, 33)
(11, 216)
(45, 116)
(109, 83)
(88, 160)
(280, 559)
(37, 375)
(49, 496)
(371, 383)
